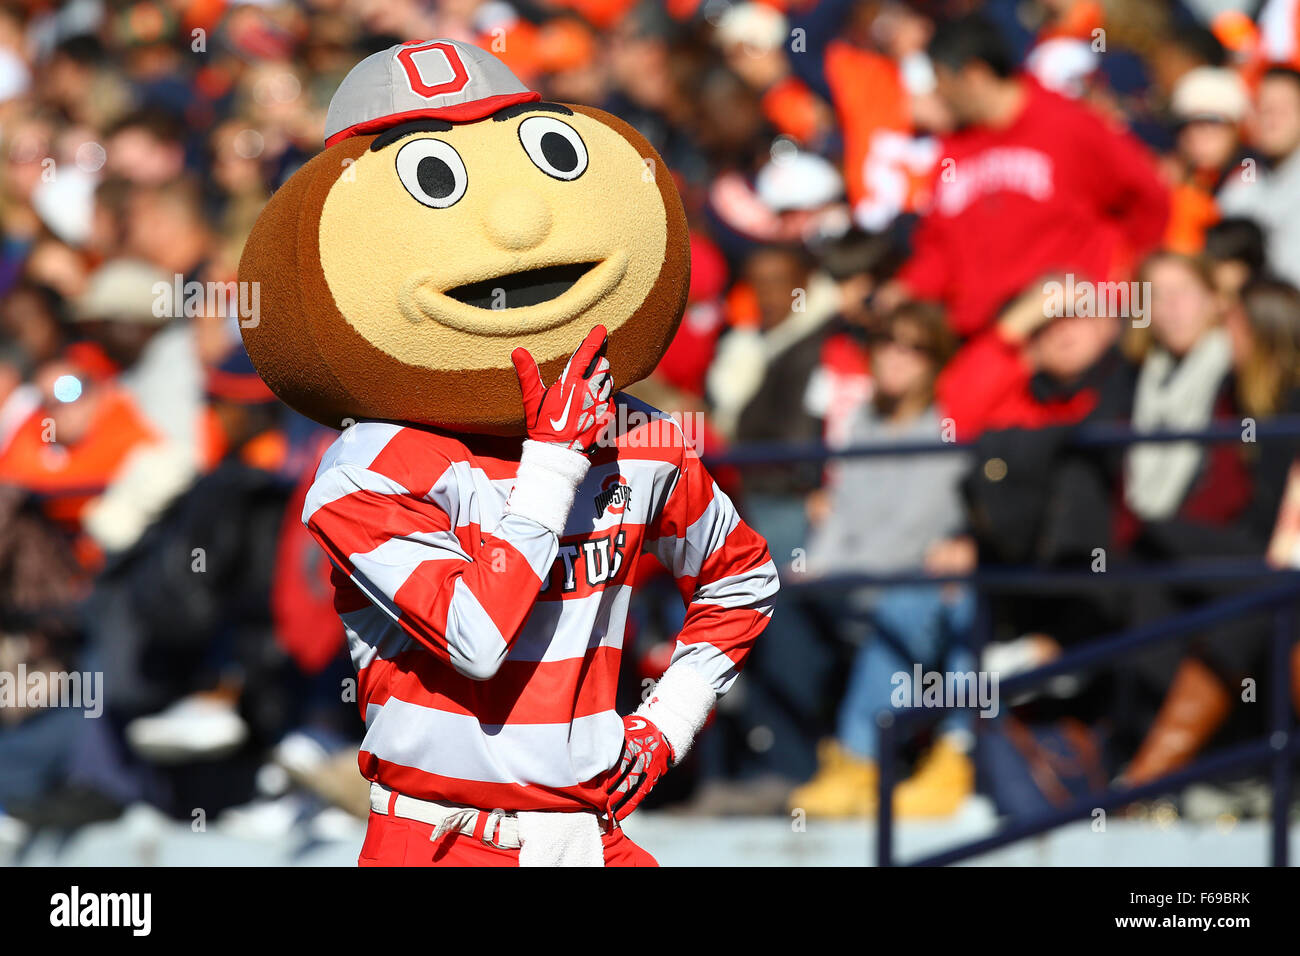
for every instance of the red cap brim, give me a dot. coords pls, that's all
(460, 113)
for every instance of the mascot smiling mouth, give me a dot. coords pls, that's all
(536, 299)
(520, 289)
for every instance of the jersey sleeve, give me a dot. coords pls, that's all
(723, 571)
(461, 592)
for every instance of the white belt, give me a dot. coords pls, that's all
(501, 829)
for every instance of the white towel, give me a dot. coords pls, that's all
(548, 838)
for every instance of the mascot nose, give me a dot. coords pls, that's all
(517, 219)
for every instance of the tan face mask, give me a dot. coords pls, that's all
(395, 282)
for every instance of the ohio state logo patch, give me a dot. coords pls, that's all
(614, 495)
(439, 70)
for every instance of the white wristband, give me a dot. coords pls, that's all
(545, 484)
(678, 706)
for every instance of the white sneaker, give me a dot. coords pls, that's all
(193, 728)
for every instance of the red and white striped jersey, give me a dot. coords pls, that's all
(487, 650)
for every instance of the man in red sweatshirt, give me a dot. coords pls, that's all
(1032, 183)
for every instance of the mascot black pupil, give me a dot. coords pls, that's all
(559, 152)
(436, 178)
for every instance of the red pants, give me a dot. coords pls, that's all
(396, 841)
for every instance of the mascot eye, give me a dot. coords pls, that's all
(554, 147)
(432, 172)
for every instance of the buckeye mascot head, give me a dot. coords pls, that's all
(452, 218)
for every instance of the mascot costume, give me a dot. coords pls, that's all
(457, 245)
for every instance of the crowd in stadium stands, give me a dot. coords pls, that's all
(911, 221)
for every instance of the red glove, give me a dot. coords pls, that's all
(571, 412)
(646, 755)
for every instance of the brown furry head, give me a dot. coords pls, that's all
(397, 272)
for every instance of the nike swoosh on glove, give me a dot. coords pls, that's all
(646, 756)
(572, 412)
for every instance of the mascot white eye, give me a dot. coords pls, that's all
(432, 172)
(554, 147)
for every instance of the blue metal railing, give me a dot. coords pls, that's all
(1279, 749)
(1091, 435)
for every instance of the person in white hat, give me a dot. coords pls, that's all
(1209, 104)
(156, 351)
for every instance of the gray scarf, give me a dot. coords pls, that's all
(1173, 396)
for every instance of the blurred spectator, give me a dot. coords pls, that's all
(72, 446)
(759, 384)
(146, 148)
(56, 265)
(1180, 48)
(123, 311)
(1031, 183)
(1235, 249)
(167, 227)
(1183, 384)
(859, 263)
(686, 363)
(180, 622)
(157, 366)
(76, 83)
(1209, 104)
(18, 397)
(1265, 332)
(906, 625)
(32, 316)
(1044, 363)
(1270, 195)
(1279, 29)
(1264, 324)
(1034, 499)
(869, 63)
(1262, 331)
(27, 140)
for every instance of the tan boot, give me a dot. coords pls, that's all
(941, 783)
(844, 786)
(1195, 707)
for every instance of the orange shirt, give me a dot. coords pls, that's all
(886, 167)
(1079, 22)
(869, 97)
(268, 451)
(73, 475)
(1192, 211)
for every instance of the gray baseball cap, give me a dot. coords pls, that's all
(422, 79)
